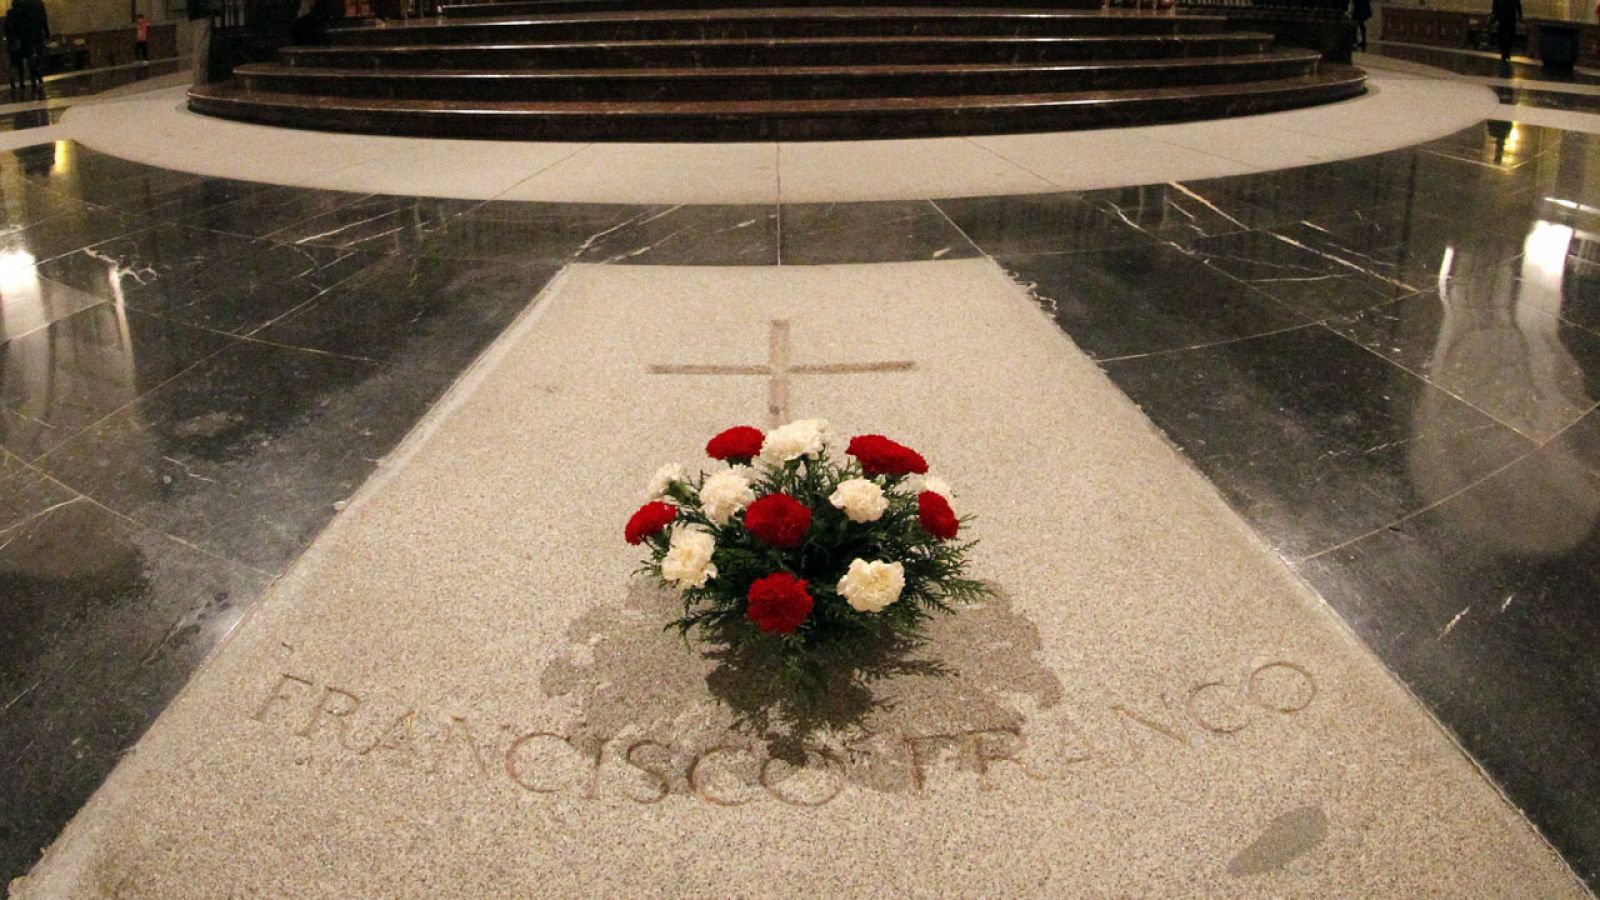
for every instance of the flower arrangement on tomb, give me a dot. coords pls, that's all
(805, 553)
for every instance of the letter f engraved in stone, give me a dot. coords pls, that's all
(277, 695)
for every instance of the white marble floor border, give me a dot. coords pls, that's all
(1402, 109)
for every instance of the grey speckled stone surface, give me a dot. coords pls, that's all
(459, 692)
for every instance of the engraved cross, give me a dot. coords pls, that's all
(778, 369)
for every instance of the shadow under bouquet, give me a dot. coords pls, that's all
(817, 565)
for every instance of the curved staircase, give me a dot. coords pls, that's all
(727, 70)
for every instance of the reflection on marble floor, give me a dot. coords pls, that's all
(1520, 96)
(95, 81)
(30, 118)
(1478, 63)
(1389, 365)
(26, 108)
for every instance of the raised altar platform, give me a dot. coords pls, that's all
(751, 70)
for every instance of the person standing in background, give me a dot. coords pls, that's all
(1506, 14)
(13, 36)
(141, 38)
(33, 30)
(1360, 12)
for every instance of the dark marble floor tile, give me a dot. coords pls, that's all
(713, 235)
(58, 235)
(1150, 299)
(26, 494)
(31, 162)
(1548, 99)
(509, 231)
(1272, 198)
(1409, 246)
(1382, 227)
(1495, 340)
(101, 79)
(11, 465)
(1314, 284)
(1580, 286)
(1481, 219)
(379, 223)
(1481, 64)
(1498, 142)
(123, 265)
(246, 454)
(428, 312)
(1477, 195)
(58, 380)
(822, 233)
(1315, 440)
(29, 302)
(1168, 212)
(197, 199)
(104, 180)
(200, 277)
(1484, 607)
(1567, 186)
(31, 118)
(1040, 223)
(105, 622)
(78, 544)
(1441, 171)
(70, 161)
(23, 203)
(1473, 194)
(1581, 442)
(262, 212)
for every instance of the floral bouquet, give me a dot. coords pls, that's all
(809, 559)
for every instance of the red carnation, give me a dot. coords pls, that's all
(778, 520)
(651, 518)
(938, 519)
(739, 444)
(778, 603)
(881, 456)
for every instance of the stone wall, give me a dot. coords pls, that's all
(80, 16)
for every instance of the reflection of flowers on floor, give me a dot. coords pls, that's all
(977, 678)
(811, 571)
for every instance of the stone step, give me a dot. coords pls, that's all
(860, 118)
(769, 23)
(755, 52)
(542, 7)
(786, 83)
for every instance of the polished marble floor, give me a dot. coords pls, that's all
(1549, 99)
(30, 118)
(1390, 366)
(1480, 63)
(24, 108)
(93, 81)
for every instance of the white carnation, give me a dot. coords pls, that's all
(870, 586)
(664, 477)
(936, 485)
(725, 493)
(688, 560)
(861, 500)
(796, 439)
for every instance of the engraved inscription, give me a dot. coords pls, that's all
(731, 769)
